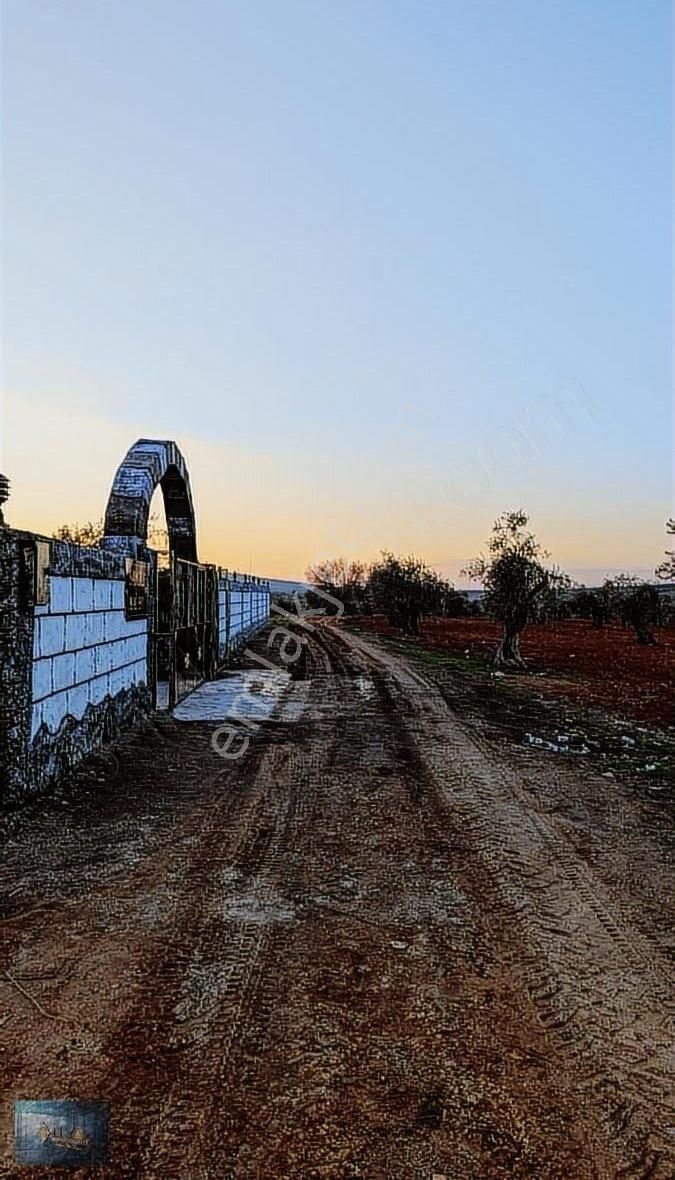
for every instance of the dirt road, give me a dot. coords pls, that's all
(370, 948)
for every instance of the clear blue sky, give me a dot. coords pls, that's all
(338, 250)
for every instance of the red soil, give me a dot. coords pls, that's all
(599, 667)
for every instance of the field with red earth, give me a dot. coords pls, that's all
(586, 691)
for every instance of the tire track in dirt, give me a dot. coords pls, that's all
(366, 767)
(324, 961)
(603, 991)
(143, 1022)
(216, 997)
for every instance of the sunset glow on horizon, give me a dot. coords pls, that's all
(379, 275)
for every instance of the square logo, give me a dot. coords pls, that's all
(61, 1134)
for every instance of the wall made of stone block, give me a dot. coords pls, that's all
(75, 672)
(84, 649)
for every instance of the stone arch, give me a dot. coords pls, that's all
(147, 464)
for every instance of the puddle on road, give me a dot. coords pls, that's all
(257, 695)
(251, 694)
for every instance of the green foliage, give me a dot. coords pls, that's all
(518, 586)
(635, 603)
(595, 605)
(404, 589)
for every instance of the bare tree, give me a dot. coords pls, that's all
(342, 579)
(517, 583)
(91, 534)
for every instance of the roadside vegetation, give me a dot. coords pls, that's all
(402, 589)
(519, 587)
(594, 667)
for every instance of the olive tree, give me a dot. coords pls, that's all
(636, 604)
(404, 589)
(517, 583)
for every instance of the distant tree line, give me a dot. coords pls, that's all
(519, 584)
(403, 589)
(627, 600)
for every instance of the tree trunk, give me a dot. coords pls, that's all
(508, 653)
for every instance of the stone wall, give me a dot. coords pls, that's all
(76, 665)
(89, 669)
(73, 667)
(84, 650)
(16, 654)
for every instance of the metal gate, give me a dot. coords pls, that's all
(185, 647)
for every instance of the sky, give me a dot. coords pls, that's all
(382, 269)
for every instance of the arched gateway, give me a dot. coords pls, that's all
(93, 639)
(147, 464)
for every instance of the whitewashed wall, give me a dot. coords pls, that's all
(242, 608)
(84, 649)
